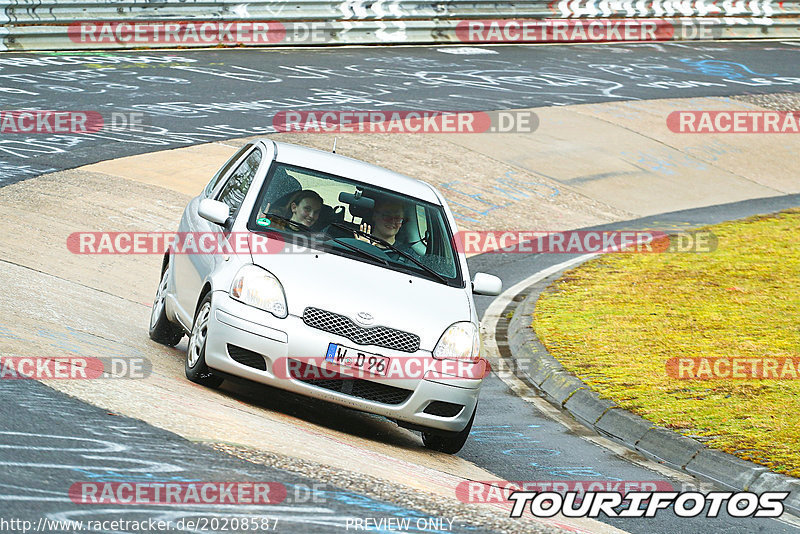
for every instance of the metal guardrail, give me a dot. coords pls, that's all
(69, 24)
(68, 11)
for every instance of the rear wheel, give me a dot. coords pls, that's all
(196, 369)
(161, 329)
(449, 442)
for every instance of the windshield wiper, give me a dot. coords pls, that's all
(393, 248)
(290, 222)
(360, 251)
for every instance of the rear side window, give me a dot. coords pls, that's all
(422, 223)
(224, 170)
(236, 187)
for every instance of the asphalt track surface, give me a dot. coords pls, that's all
(193, 96)
(51, 442)
(189, 97)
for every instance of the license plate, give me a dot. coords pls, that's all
(357, 359)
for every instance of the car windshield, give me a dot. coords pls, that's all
(357, 220)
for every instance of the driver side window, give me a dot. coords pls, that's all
(235, 189)
(212, 185)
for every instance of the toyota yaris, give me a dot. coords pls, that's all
(331, 278)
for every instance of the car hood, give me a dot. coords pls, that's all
(348, 287)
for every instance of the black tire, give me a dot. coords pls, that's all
(195, 362)
(161, 329)
(448, 442)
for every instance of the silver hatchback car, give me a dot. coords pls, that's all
(331, 278)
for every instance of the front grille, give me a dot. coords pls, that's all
(443, 409)
(247, 357)
(355, 387)
(379, 336)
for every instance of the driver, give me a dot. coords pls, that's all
(387, 219)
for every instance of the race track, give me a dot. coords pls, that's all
(53, 185)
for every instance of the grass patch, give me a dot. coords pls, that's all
(616, 320)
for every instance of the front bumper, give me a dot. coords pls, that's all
(281, 342)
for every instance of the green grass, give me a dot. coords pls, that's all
(615, 322)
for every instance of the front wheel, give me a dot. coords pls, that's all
(448, 442)
(161, 330)
(196, 369)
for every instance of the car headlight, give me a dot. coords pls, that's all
(461, 341)
(259, 288)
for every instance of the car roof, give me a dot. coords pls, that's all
(353, 169)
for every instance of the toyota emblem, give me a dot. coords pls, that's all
(364, 318)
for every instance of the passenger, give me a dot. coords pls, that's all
(303, 208)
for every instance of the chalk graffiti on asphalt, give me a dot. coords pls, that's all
(10, 171)
(523, 446)
(129, 83)
(468, 201)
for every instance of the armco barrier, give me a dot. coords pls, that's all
(84, 25)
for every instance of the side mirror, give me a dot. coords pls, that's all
(486, 284)
(214, 211)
